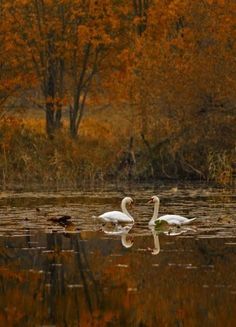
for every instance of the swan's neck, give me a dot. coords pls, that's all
(155, 213)
(124, 209)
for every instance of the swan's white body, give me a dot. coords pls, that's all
(170, 219)
(176, 219)
(115, 217)
(118, 216)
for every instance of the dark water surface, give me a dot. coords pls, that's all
(82, 276)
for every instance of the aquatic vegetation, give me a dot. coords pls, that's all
(220, 167)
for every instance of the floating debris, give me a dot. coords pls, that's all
(63, 220)
(225, 220)
(132, 289)
(122, 265)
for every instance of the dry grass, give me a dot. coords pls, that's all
(28, 157)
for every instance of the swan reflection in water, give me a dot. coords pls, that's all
(127, 241)
(122, 231)
(170, 231)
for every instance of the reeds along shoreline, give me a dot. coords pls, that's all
(27, 157)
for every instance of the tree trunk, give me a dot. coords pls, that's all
(58, 116)
(49, 119)
(53, 111)
(58, 113)
(73, 131)
(50, 95)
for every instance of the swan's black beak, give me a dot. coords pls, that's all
(150, 201)
(131, 204)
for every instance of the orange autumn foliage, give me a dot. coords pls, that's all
(164, 72)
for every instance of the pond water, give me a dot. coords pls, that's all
(83, 275)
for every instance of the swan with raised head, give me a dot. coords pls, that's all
(170, 219)
(118, 216)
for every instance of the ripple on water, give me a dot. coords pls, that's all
(75, 286)
(94, 268)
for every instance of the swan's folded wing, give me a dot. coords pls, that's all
(115, 216)
(176, 219)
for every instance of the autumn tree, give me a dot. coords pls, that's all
(95, 33)
(9, 66)
(64, 41)
(40, 32)
(186, 72)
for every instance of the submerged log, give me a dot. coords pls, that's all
(63, 220)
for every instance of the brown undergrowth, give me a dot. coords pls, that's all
(102, 152)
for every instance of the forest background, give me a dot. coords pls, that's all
(104, 90)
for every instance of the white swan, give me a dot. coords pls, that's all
(170, 219)
(118, 216)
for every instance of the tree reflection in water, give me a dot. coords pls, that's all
(91, 279)
(57, 277)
